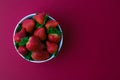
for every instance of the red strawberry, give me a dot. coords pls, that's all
(54, 38)
(41, 46)
(40, 18)
(37, 55)
(51, 47)
(45, 55)
(28, 25)
(51, 23)
(40, 32)
(22, 50)
(32, 43)
(19, 35)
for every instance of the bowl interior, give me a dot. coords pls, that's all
(60, 43)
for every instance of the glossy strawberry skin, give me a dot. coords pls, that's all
(41, 46)
(40, 18)
(51, 23)
(51, 47)
(54, 38)
(40, 55)
(19, 35)
(28, 25)
(40, 32)
(32, 43)
(22, 50)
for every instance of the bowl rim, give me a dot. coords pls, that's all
(39, 61)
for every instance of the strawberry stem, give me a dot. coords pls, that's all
(53, 31)
(28, 56)
(23, 41)
(19, 28)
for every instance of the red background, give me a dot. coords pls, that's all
(91, 49)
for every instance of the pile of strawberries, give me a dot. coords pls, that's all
(38, 37)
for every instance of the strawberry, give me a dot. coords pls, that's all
(32, 43)
(22, 50)
(45, 55)
(39, 18)
(51, 23)
(51, 47)
(41, 46)
(40, 32)
(28, 25)
(54, 38)
(40, 55)
(19, 35)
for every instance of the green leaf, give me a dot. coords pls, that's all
(16, 44)
(19, 28)
(39, 25)
(28, 56)
(53, 31)
(55, 53)
(46, 19)
(23, 41)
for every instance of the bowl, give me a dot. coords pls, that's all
(38, 61)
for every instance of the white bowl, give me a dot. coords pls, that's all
(39, 61)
